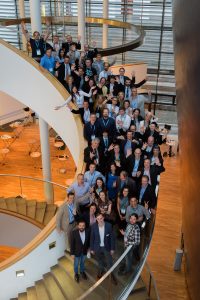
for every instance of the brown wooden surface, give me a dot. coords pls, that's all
(6, 252)
(166, 238)
(18, 161)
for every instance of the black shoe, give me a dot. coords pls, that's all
(113, 279)
(76, 277)
(84, 276)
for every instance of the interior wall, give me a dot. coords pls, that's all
(16, 232)
(186, 24)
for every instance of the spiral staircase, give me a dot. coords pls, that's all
(48, 271)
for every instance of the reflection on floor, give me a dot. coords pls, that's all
(166, 238)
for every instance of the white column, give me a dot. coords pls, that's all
(81, 21)
(35, 13)
(105, 26)
(46, 159)
(22, 15)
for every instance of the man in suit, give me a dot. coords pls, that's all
(128, 85)
(151, 131)
(91, 129)
(146, 194)
(112, 86)
(78, 76)
(107, 123)
(90, 53)
(84, 111)
(124, 181)
(63, 70)
(147, 148)
(65, 218)
(92, 154)
(134, 164)
(66, 45)
(102, 244)
(80, 243)
(138, 101)
(152, 171)
(128, 146)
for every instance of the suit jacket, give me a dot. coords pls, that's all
(115, 88)
(123, 143)
(109, 239)
(103, 146)
(77, 247)
(88, 160)
(108, 125)
(111, 158)
(89, 131)
(62, 217)
(154, 172)
(148, 196)
(80, 111)
(66, 46)
(130, 183)
(156, 135)
(130, 162)
(61, 72)
(91, 54)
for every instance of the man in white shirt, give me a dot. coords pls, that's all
(105, 73)
(138, 101)
(123, 121)
(92, 175)
(102, 244)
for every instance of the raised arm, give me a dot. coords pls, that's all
(47, 33)
(64, 104)
(25, 32)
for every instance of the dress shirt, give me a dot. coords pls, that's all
(79, 190)
(135, 167)
(82, 236)
(127, 92)
(90, 178)
(142, 191)
(102, 233)
(125, 119)
(139, 210)
(86, 115)
(147, 172)
(67, 70)
(48, 63)
(127, 146)
(70, 211)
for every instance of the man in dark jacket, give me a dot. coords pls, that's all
(79, 246)
(102, 244)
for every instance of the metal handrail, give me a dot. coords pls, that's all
(33, 178)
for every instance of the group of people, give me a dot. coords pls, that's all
(116, 194)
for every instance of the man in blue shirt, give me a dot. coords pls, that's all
(92, 175)
(48, 61)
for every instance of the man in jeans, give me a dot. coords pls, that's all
(80, 241)
(131, 237)
(102, 244)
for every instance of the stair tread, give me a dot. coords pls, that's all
(53, 288)
(40, 211)
(3, 204)
(49, 213)
(31, 208)
(71, 289)
(11, 204)
(31, 293)
(21, 205)
(41, 290)
(22, 296)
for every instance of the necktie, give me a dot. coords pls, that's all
(127, 93)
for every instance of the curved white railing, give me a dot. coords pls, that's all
(22, 79)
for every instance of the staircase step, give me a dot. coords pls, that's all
(49, 213)
(53, 288)
(99, 294)
(31, 293)
(31, 208)
(22, 296)
(11, 204)
(3, 204)
(40, 211)
(21, 206)
(41, 290)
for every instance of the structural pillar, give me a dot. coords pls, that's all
(22, 15)
(105, 26)
(81, 22)
(46, 162)
(36, 25)
(35, 12)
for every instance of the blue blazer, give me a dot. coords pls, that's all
(109, 239)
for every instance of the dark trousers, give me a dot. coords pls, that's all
(104, 259)
(131, 257)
